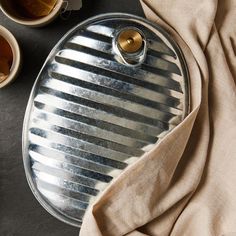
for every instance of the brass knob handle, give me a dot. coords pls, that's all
(130, 40)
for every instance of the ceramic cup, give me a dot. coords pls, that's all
(15, 67)
(7, 6)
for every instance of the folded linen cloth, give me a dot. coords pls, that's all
(186, 185)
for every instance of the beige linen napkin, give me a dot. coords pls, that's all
(186, 185)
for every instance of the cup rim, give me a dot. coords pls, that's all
(36, 22)
(8, 36)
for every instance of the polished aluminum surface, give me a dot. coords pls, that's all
(92, 113)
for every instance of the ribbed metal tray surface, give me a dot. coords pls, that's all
(91, 113)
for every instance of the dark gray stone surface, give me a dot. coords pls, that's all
(20, 213)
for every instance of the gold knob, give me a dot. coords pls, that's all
(130, 40)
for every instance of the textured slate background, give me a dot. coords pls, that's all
(20, 213)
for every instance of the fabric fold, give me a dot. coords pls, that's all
(186, 184)
(124, 207)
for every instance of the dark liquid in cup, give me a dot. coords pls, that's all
(33, 9)
(6, 58)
